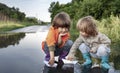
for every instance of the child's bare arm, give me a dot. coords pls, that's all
(60, 38)
(74, 48)
(51, 61)
(51, 51)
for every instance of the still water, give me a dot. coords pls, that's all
(21, 52)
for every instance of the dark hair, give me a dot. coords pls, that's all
(87, 24)
(62, 19)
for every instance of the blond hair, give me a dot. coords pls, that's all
(87, 24)
(62, 19)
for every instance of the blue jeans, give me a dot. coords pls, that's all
(101, 51)
(61, 52)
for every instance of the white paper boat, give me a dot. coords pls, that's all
(47, 63)
(69, 62)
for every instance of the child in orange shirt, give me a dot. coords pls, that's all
(57, 42)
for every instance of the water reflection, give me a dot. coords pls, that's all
(25, 57)
(7, 39)
(66, 68)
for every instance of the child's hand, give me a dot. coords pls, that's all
(51, 62)
(69, 58)
(62, 34)
(92, 51)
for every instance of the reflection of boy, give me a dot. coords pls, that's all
(57, 42)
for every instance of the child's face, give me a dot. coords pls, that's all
(62, 30)
(84, 34)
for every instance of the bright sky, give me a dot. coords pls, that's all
(33, 8)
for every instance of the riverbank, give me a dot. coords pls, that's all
(11, 25)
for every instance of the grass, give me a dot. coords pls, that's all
(10, 25)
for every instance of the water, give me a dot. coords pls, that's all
(21, 52)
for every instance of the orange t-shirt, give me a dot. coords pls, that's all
(52, 37)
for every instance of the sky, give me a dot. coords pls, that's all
(34, 8)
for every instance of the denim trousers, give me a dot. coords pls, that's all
(101, 51)
(61, 52)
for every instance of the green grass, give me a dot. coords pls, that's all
(10, 25)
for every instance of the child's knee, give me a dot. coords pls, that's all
(102, 51)
(83, 48)
(69, 43)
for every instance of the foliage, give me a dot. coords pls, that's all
(31, 19)
(79, 8)
(11, 13)
(110, 27)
